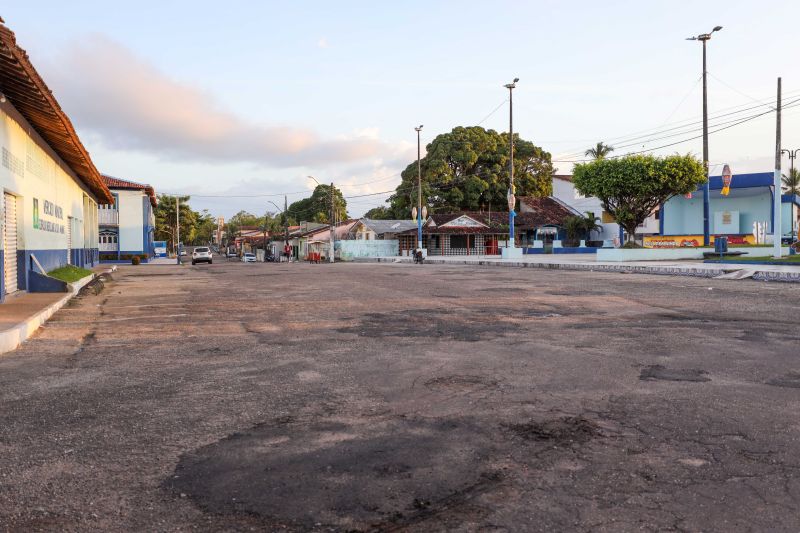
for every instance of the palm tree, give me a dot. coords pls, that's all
(791, 183)
(600, 151)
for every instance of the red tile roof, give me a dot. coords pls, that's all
(117, 183)
(545, 211)
(28, 93)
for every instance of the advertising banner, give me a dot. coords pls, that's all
(678, 241)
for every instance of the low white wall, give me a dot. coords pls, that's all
(672, 254)
(362, 248)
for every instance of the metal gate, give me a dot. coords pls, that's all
(10, 242)
(69, 240)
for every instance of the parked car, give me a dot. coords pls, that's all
(202, 255)
(230, 254)
(248, 258)
(183, 252)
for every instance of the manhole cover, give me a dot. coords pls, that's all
(336, 474)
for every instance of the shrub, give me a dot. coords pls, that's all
(135, 260)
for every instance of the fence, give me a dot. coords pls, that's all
(351, 249)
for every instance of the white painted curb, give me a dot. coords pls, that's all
(11, 338)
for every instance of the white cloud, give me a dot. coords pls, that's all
(130, 105)
(323, 43)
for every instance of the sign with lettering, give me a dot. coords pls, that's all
(51, 210)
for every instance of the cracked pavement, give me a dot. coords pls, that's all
(389, 397)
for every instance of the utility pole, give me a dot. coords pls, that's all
(792, 156)
(332, 215)
(178, 228)
(511, 189)
(776, 216)
(705, 37)
(419, 191)
(286, 218)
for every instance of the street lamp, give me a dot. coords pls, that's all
(705, 37)
(511, 189)
(792, 155)
(419, 190)
(332, 245)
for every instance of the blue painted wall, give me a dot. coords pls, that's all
(684, 216)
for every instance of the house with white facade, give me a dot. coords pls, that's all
(50, 187)
(564, 190)
(128, 224)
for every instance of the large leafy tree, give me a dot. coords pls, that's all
(379, 213)
(205, 227)
(599, 151)
(467, 169)
(164, 212)
(631, 187)
(317, 208)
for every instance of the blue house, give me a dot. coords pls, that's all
(749, 201)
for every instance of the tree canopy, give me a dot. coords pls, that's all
(317, 207)
(631, 187)
(379, 213)
(467, 169)
(165, 220)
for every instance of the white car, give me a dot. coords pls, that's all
(202, 255)
(248, 258)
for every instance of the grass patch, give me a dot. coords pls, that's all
(69, 273)
(790, 259)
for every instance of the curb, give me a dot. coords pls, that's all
(788, 277)
(11, 338)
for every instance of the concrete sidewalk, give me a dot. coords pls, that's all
(785, 273)
(24, 312)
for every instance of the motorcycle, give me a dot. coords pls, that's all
(418, 257)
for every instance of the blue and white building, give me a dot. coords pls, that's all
(749, 202)
(127, 225)
(50, 187)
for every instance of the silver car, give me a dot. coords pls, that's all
(248, 258)
(202, 255)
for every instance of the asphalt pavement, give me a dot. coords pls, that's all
(399, 397)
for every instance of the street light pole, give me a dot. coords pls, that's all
(178, 228)
(511, 189)
(792, 155)
(419, 190)
(705, 37)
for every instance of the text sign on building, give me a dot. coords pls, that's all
(50, 210)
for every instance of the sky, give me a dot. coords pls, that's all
(236, 103)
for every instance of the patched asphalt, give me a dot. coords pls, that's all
(366, 397)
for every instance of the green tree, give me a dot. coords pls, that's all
(631, 187)
(205, 228)
(467, 169)
(164, 212)
(581, 226)
(599, 151)
(380, 213)
(236, 222)
(317, 207)
(791, 182)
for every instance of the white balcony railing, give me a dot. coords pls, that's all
(108, 216)
(108, 247)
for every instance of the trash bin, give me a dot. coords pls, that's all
(720, 245)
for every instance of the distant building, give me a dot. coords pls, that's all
(50, 187)
(372, 229)
(127, 225)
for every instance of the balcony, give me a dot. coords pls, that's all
(108, 247)
(108, 217)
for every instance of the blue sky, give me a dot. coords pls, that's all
(237, 100)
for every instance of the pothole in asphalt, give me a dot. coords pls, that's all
(466, 325)
(460, 382)
(335, 474)
(563, 431)
(790, 380)
(661, 373)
